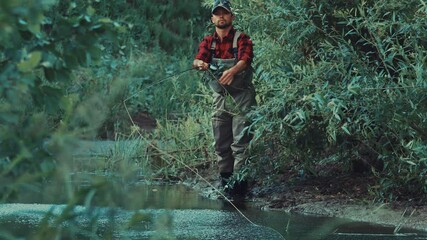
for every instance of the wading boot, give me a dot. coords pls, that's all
(240, 189)
(225, 187)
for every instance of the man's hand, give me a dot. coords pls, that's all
(227, 77)
(200, 65)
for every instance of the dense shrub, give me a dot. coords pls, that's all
(344, 81)
(39, 49)
(169, 25)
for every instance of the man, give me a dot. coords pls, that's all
(227, 56)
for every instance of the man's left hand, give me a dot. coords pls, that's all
(227, 77)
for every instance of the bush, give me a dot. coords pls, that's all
(347, 80)
(39, 50)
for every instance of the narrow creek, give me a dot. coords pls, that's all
(106, 207)
(157, 211)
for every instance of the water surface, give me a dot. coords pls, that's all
(154, 211)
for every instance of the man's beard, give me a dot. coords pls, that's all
(223, 26)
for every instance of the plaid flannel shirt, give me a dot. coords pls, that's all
(224, 49)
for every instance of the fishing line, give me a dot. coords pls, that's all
(226, 93)
(182, 162)
(158, 82)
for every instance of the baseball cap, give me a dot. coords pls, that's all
(222, 3)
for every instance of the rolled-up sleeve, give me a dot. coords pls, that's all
(204, 52)
(245, 50)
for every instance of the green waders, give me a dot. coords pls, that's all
(229, 120)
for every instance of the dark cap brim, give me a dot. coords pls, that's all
(215, 8)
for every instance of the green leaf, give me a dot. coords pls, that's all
(34, 28)
(411, 163)
(104, 20)
(345, 129)
(34, 23)
(90, 11)
(31, 62)
(353, 88)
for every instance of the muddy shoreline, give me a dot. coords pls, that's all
(309, 199)
(410, 218)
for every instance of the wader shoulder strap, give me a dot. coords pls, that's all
(213, 46)
(235, 47)
(236, 37)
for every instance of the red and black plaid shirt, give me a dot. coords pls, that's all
(224, 49)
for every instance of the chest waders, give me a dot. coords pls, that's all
(231, 103)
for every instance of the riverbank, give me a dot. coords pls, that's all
(343, 197)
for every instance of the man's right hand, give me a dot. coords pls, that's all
(200, 65)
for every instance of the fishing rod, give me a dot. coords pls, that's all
(159, 82)
(209, 70)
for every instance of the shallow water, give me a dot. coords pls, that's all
(147, 211)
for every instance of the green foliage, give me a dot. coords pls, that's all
(347, 78)
(185, 144)
(170, 25)
(39, 50)
(161, 84)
